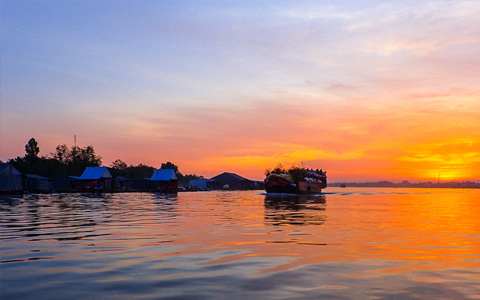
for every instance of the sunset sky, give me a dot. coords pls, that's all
(367, 91)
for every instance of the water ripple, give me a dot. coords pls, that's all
(343, 244)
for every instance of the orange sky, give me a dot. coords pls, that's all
(382, 91)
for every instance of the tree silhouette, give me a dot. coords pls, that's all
(169, 165)
(61, 153)
(119, 164)
(119, 168)
(72, 161)
(32, 149)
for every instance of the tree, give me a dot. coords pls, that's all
(62, 154)
(62, 162)
(119, 168)
(169, 165)
(81, 158)
(88, 157)
(140, 171)
(119, 164)
(73, 161)
(185, 179)
(32, 149)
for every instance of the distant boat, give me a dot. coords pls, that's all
(296, 181)
(343, 185)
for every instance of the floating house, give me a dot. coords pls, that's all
(141, 185)
(202, 184)
(122, 183)
(233, 181)
(37, 184)
(11, 181)
(96, 179)
(165, 181)
(66, 184)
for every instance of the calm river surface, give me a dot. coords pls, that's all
(350, 243)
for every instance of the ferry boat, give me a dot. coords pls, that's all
(296, 181)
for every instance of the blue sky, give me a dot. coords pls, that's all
(215, 85)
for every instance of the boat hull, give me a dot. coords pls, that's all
(279, 184)
(282, 189)
(309, 187)
(302, 187)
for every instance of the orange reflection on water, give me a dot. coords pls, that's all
(414, 228)
(389, 230)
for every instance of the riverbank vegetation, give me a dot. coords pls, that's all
(73, 161)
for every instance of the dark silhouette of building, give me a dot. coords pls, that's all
(233, 181)
(11, 180)
(37, 184)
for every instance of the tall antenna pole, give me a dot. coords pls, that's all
(75, 140)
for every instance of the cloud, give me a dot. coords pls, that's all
(362, 88)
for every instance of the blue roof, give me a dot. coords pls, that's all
(94, 173)
(7, 168)
(35, 176)
(164, 175)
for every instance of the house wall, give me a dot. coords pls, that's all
(65, 184)
(100, 185)
(11, 183)
(198, 183)
(165, 186)
(38, 185)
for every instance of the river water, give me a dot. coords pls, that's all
(350, 243)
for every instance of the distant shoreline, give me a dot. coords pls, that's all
(406, 184)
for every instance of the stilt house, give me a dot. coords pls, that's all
(38, 184)
(10, 179)
(164, 180)
(96, 179)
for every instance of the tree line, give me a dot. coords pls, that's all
(73, 161)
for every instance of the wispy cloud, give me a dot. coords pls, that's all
(365, 89)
